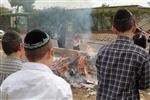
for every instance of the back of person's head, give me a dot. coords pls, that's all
(11, 42)
(37, 44)
(123, 20)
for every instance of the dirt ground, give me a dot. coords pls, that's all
(81, 94)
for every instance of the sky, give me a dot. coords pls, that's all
(40, 4)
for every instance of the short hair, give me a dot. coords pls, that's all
(123, 20)
(37, 53)
(11, 42)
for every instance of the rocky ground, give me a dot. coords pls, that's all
(81, 94)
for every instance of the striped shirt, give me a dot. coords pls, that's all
(8, 66)
(122, 69)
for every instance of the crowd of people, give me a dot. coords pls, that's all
(123, 67)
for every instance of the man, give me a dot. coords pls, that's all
(122, 67)
(36, 81)
(13, 48)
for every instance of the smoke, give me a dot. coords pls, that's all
(63, 22)
(81, 24)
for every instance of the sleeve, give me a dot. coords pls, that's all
(144, 80)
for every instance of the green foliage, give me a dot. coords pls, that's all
(103, 17)
(15, 3)
(26, 4)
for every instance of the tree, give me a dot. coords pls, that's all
(26, 4)
(103, 17)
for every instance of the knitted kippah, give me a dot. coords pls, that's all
(36, 39)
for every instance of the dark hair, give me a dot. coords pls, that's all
(11, 42)
(123, 20)
(36, 54)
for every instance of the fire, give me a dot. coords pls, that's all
(62, 70)
(81, 65)
(76, 67)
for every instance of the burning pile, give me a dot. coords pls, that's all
(78, 69)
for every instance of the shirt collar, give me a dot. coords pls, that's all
(12, 59)
(124, 39)
(36, 66)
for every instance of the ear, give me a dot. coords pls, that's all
(133, 28)
(114, 30)
(20, 47)
(50, 53)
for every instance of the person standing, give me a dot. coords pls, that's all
(12, 46)
(122, 67)
(76, 43)
(36, 81)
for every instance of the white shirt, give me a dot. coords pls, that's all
(76, 42)
(35, 82)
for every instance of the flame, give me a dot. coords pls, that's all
(81, 60)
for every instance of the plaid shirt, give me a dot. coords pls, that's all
(8, 66)
(122, 69)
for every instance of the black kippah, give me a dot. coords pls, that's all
(35, 39)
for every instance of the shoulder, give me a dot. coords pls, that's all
(139, 51)
(104, 48)
(9, 82)
(11, 63)
(27, 78)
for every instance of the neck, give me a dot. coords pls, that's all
(15, 55)
(44, 62)
(127, 34)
